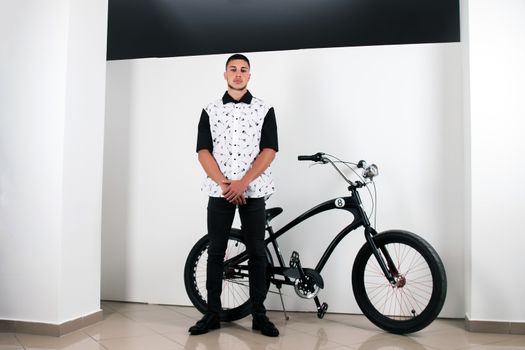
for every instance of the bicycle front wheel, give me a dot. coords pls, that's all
(235, 297)
(418, 295)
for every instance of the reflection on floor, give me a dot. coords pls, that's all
(154, 327)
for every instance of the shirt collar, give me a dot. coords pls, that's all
(246, 98)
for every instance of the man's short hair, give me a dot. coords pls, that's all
(238, 56)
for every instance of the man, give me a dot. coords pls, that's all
(237, 141)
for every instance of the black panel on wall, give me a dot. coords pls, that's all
(163, 28)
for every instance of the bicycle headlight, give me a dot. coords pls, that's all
(370, 172)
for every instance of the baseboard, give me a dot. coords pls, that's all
(495, 327)
(49, 329)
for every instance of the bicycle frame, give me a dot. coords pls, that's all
(351, 204)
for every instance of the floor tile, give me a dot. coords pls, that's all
(494, 347)
(8, 341)
(511, 342)
(156, 342)
(117, 326)
(161, 320)
(187, 311)
(344, 331)
(73, 341)
(392, 342)
(300, 341)
(444, 325)
(453, 339)
(230, 336)
(209, 342)
(128, 326)
(106, 308)
(514, 340)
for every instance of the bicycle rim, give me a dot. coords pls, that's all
(414, 284)
(419, 291)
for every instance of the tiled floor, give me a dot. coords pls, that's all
(154, 327)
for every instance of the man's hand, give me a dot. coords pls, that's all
(234, 192)
(224, 186)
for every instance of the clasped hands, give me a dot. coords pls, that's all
(233, 191)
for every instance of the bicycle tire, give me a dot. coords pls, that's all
(418, 297)
(235, 297)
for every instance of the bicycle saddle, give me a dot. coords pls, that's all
(272, 212)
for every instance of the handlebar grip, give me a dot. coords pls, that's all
(318, 157)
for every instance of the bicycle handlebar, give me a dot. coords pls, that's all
(369, 171)
(318, 157)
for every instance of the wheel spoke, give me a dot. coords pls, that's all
(412, 293)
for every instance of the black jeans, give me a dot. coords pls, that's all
(253, 220)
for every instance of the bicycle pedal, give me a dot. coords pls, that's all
(294, 260)
(321, 311)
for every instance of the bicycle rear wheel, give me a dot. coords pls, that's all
(235, 297)
(418, 295)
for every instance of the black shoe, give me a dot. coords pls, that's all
(263, 324)
(208, 322)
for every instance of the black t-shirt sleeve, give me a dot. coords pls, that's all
(204, 139)
(269, 132)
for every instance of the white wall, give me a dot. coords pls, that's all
(32, 115)
(495, 192)
(83, 158)
(398, 106)
(51, 130)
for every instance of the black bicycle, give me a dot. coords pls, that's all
(398, 279)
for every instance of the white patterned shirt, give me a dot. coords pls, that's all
(235, 132)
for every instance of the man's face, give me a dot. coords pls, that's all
(237, 74)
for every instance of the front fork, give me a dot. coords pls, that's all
(385, 260)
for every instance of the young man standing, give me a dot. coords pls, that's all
(237, 141)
